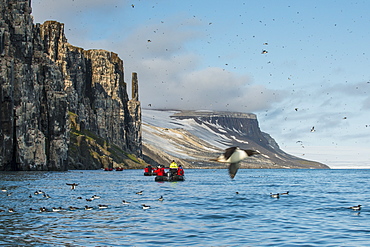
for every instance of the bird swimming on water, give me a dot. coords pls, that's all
(54, 209)
(275, 195)
(233, 156)
(358, 207)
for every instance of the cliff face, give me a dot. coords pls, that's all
(196, 137)
(60, 102)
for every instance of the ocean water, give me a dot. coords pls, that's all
(204, 210)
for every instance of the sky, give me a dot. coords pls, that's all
(295, 64)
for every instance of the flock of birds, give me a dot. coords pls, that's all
(103, 206)
(73, 186)
(232, 155)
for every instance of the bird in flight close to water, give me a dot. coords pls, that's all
(233, 156)
(73, 186)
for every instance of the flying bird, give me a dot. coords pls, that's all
(233, 156)
(73, 186)
(313, 129)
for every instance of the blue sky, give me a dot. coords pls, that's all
(208, 55)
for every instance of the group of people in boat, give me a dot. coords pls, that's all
(175, 169)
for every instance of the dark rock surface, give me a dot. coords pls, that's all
(58, 101)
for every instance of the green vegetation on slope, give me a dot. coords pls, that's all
(90, 151)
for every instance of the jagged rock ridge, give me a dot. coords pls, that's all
(197, 136)
(61, 106)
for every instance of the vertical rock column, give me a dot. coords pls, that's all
(134, 126)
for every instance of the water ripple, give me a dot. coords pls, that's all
(205, 210)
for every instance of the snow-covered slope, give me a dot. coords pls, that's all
(194, 137)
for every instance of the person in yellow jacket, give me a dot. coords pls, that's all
(173, 165)
(173, 168)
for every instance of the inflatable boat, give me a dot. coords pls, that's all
(173, 178)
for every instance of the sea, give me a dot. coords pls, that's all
(207, 209)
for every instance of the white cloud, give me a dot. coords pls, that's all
(170, 75)
(62, 10)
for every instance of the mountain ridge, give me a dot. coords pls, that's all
(194, 137)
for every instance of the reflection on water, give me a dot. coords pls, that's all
(204, 210)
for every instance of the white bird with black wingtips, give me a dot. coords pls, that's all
(233, 156)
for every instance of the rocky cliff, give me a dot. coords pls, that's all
(195, 137)
(62, 107)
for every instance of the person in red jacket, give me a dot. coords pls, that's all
(180, 171)
(163, 171)
(160, 171)
(148, 170)
(156, 171)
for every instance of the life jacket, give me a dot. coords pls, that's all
(159, 172)
(180, 171)
(146, 169)
(173, 165)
